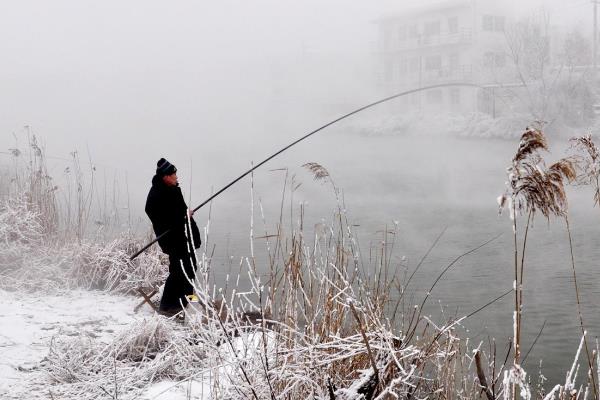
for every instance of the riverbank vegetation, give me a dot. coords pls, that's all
(312, 317)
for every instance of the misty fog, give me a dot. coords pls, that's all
(212, 84)
(216, 87)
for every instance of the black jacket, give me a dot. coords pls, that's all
(167, 210)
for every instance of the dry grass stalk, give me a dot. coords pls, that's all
(39, 256)
(532, 187)
(310, 347)
(481, 376)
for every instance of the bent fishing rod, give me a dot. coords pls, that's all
(441, 85)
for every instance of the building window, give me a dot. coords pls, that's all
(434, 96)
(453, 62)
(493, 23)
(499, 24)
(488, 23)
(453, 25)
(433, 62)
(402, 33)
(431, 28)
(488, 59)
(454, 96)
(492, 59)
(500, 60)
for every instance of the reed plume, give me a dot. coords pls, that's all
(531, 187)
(317, 169)
(532, 141)
(587, 159)
(587, 156)
(320, 173)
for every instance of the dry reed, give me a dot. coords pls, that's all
(316, 325)
(532, 187)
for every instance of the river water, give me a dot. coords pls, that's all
(426, 184)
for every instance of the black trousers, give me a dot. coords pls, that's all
(177, 285)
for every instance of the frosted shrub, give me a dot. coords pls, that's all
(107, 266)
(33, 260)
(20, 230)
(20, 224)
(147, 351)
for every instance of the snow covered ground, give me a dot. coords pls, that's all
(28, 322)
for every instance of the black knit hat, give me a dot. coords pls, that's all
(164, 168)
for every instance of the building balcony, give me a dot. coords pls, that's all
(461, 73)
(462, 37)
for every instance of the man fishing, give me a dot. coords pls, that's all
(407, 92)
(178, 236)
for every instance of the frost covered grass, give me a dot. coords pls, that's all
(532, 187)
(45, 247)
(462, 125)
(320, 331)
(477, 125)
(149, 350)
(34, 260)
(314, 325)
(313, 319)
(318, 326)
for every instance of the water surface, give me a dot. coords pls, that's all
(426, 184)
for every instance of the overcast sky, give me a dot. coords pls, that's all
(133, 81)
(137, 80)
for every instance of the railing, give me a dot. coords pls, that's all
(461, 73)
(463, 36)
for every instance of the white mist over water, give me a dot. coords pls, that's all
(425, 187)
(216, 86)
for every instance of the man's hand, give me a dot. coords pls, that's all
(190, 212)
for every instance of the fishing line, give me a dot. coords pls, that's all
(441, 85)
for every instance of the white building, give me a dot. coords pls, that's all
(449, 42)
